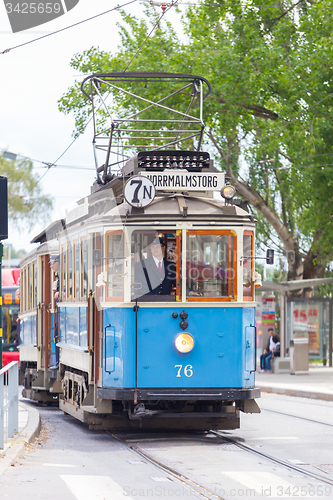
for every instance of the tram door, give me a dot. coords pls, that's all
(45, 314)
(97, 314)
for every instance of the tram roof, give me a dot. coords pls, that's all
(46, 247)
(164, 208)
(169, 207)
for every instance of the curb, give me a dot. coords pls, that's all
(26, 436)
(297, 393)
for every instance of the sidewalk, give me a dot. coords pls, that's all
(28, 428)
(317, 384)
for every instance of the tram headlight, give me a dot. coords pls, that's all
(228, 192)
(184, 342)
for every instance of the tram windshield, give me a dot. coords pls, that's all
(157, 262)
(154, 265)
(211, 264)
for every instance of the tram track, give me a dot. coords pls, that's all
(278, 461)
(298, 417)
(204, 492)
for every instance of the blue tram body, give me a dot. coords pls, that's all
(214, 362)
(104, 337)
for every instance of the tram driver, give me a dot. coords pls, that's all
(156, 274)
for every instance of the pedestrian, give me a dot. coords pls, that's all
(273, 349)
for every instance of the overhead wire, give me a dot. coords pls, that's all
(54, 164)
(173, 3)
(68, 27)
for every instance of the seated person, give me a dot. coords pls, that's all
(273, 349)
(275, 353)
(156, 274)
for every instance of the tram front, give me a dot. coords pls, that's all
(179, 315)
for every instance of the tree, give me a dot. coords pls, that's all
(26, 204)
(9, 252)
(269, 115)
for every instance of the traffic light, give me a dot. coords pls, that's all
(3, 209)
(270, 256)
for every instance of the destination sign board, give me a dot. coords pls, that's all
(175, 180)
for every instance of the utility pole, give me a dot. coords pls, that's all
(3, 236)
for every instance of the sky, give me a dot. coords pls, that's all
(32, 79)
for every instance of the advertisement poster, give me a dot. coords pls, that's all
(268, 319)
(305, 324)
(268, 312)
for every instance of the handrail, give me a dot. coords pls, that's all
(8, 401)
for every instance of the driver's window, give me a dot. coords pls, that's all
(154, 260)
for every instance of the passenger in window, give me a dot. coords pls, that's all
(156, 274)
(54, 265)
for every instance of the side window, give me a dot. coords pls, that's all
(84, 267)
(77, 269)
(34, 285)
(31, 284)
(248, 263)
(211, 265)
(115, 265)
(25, 295)
(70, 272)
(63, 274)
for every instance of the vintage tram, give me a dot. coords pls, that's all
(106, 339)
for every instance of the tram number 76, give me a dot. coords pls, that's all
(188, 370)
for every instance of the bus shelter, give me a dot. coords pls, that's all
(311, 319)
(303, 317)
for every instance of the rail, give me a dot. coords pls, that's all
(8, 401)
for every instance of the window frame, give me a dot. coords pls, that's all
(251, 298)
(83, 267)
(232, 257)
(69, 297)
(76, 273)
(107, 234)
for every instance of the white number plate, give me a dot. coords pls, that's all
(187, 371)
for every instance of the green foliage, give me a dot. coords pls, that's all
(269, 115)
(13, 253)
(327, 289)
(25, 201)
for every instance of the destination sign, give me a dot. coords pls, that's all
(139, 191)
(175, 180)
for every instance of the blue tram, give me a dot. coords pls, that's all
(118, 346)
